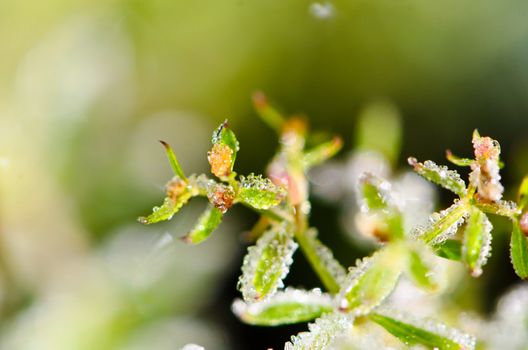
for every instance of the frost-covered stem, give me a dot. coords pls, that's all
(309, 251)
(447, 221)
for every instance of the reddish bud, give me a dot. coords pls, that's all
(220, 158)
(222, 197)
(175, 188)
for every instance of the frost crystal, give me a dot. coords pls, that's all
(267, 263)
(322, 332)
(466, 341)
(442, 225)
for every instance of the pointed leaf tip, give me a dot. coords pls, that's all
(266, 112)
(412, 331)
(175, 165)
(457, 160)
(323, 152)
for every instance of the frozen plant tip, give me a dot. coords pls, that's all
(351, 307)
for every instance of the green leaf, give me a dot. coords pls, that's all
(523, 194)
(477, 241)
(284, 307)
(267, 263)
(175, 165)
(267, 113)
(519, 251)
(419, 267)
(321, 153)
(503, 208)
(440, 175)
(423, 332)
(323, 332)
(372, 280)
(457, 160)
(444, 224)
(169, 207)
(207, 223)
(259, 192)
(377, 203)
(379, 129)
(450, 249)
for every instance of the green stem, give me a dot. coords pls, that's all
(308, 247)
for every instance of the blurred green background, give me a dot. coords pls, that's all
(88, 87)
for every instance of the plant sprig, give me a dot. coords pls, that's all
(460, 232)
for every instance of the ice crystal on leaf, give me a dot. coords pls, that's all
(285, 307)
(442, 225)
(371, 280)
(260, 192)
(267, 263)
(440, 175)
(477, 241)
(322, 333)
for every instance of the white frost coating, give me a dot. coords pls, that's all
(281, 240)
(327, 258)
(192, 347)
(449, 179)
(466, 341)
(288, 296)
(354, 275)
(509, 326)
(434, 219)
(322, 332)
